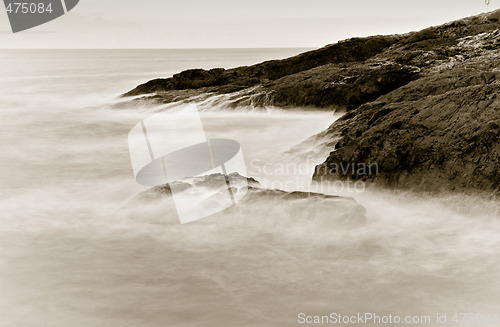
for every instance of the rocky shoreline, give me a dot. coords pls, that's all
(424, 106)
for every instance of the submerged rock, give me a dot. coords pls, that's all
(213, 181)
(269, 207)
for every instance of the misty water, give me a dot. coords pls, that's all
(75, 252)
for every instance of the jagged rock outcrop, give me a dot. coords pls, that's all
(343, 75)
(440, 132)
(339, 87)
(423, 106)
(230, 80)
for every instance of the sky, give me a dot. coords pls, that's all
(233, 23)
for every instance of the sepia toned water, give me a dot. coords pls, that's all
(72, 253)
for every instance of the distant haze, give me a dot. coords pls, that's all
(233, 24)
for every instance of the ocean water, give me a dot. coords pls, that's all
(74, 252)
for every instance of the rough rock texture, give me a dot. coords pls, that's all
(344, 75)
(440, 132)
(222, 80)
(422, 106)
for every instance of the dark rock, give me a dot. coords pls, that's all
(344, 75)
(231, 80)
(423, 106)
(340, 88)
(438, 133)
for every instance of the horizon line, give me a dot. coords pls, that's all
(198, 48)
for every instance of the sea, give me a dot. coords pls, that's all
(75, 250)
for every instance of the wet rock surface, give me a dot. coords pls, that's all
(437, 133)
